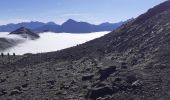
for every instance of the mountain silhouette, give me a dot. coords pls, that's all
(12, 27)
(26, 33)
(70, 26)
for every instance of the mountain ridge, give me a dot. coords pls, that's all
(39, 27)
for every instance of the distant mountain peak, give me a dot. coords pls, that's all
(21, 30)
(26, 33)
(69, 21)
(51, 23)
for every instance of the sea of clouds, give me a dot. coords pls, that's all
(50, 42)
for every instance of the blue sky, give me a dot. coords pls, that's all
(93, 11)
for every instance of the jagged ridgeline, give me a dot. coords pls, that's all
(130, 63)
(70, 26)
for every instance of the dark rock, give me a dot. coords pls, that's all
(58, 92)
(124, 65)
(64, 87)
(25, 85)
(85, 86)
(73, 82)
(104, 73)
(51, 82)
(18, 88)
(98, 85)
(134, 61)
(15, 92)
(87, 77)
(130, 79)
(3, 92)
(123, 86)
(118, 79)
(2, 80)
(137, 85)
(100, 92)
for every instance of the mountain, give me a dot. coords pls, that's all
(76, 27)
(48, 28)
(130, 63)
(70, 26)
(26, 33)
(12, 27)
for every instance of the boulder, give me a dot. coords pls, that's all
(105, 73)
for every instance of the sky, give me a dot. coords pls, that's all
(58, 11)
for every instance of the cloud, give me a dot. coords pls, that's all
(52, 42)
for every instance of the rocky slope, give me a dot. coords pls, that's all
(130, 63)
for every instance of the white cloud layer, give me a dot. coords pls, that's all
(53, 42)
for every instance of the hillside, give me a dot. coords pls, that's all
(130, 63)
